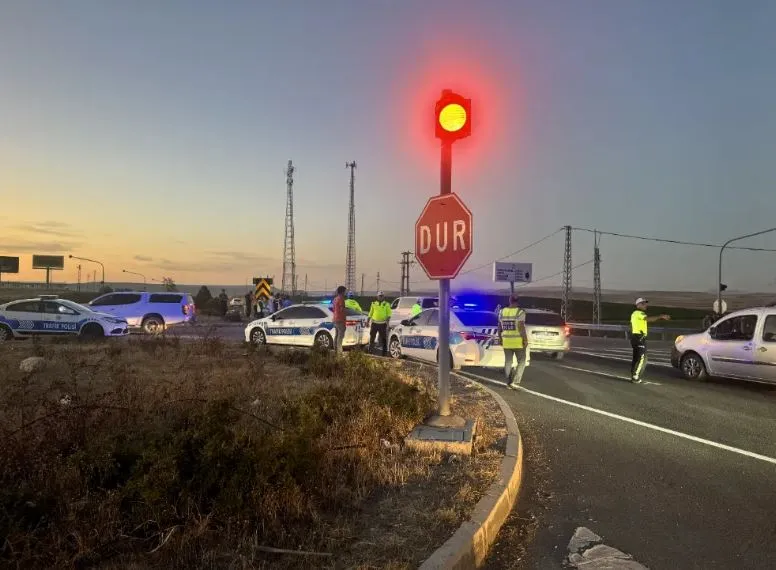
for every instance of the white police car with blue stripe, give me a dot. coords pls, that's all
(48, 315)
(418, 337)
(305, 325)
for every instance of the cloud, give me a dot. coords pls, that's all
(41, 247)
(264, 261)
(56, 229)
(241, 256)
(143, 258)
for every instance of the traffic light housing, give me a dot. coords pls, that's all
(452, 117)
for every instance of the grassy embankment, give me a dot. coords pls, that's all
(156, 453)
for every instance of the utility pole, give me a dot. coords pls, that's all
(350, 259)
(596, 278)
(288, 282)
(362, 284)
(378, 280)
(405, 273)
(305, 284)
(79, 278)
(565, 304)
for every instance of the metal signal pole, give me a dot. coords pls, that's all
(443, 354)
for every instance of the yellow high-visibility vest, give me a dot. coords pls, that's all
(510, 333)
(380, 312)
(639, 323)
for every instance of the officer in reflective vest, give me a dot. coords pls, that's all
(511, 332)
(351, 303)
(379, 316)
(416, 309)
(638, 337)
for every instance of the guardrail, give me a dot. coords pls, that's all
(617, 331)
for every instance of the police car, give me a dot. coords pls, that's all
(547, 333)
(470, 330)
(48, 315)
(305, 325)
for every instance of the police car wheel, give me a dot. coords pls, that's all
(92, 331)
(394, 348)
(5, 333)
(258, 337)
(323, 340)
(153, 325)
(692, 367)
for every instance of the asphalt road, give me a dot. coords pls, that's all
(636, 477)
(668, 501)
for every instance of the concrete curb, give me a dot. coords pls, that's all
(469, 546)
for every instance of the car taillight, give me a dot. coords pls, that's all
(567, 330)
(465, 335)
(185, 309)
(352, 323)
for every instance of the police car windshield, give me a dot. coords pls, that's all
(477, 318)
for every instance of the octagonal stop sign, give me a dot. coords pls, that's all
(443, 236)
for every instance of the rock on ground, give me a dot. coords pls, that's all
(32, 364)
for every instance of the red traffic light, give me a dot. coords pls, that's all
(452, 117)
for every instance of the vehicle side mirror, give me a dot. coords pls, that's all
(406, 323)
(713, 332)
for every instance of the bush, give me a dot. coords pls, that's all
(202, 298)
(162, 448)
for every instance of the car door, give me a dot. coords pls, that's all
(24, 317)
(765, 350)
(307, 320)
(59, 319)
(105, 303)
(280, 327)
(129, 306)
(412, 336)
(731, 350)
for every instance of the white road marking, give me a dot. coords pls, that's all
(607, 374)
(624, 359)
(639, 423)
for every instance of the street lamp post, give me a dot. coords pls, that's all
(145, 282)
(102, 283)
(719, 275)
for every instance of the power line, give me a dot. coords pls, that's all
(522, 249)
(663, 240)
(588, 262)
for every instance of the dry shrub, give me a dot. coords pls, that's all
(170, 454)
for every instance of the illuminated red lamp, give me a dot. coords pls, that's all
(453, 114)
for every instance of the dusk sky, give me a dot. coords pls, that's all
(153, 136)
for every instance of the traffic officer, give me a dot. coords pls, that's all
(638, 337)
(379, 316)
(416, 309)
(514, 340)
(351, 303)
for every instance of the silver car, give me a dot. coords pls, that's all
(151, 313)
(741, 345)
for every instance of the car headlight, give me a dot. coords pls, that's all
(679, 339)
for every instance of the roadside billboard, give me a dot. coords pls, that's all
(48, 261)
(9, 264)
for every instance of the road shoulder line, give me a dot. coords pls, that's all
(640, 423)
